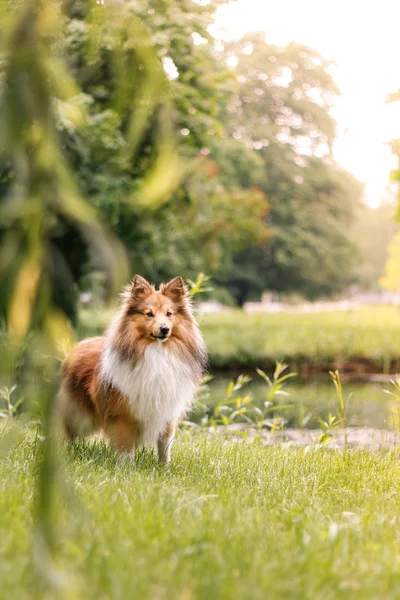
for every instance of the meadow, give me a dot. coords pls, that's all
(226, 519)
(222, 521)
(238, 340)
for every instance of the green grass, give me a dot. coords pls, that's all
(319, 338)
(223, 521)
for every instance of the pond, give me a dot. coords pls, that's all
(368, 405)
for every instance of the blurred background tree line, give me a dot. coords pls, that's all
(226, 166)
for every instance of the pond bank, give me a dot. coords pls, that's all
(362, 369)
(357, 437)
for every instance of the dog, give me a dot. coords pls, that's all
(137, 381)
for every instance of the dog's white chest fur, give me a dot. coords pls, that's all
(159, 388)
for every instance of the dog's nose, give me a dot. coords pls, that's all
(164, 329)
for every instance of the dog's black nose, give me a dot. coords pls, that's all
(164, 330)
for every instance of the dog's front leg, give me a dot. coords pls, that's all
(164, 443)
(122, 435)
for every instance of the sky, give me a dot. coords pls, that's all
(362, 38)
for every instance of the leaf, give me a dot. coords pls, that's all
(239, 412)
(287, 376)
(258, 411)
(264, 376)
(229, 389)
(18, 402)
(24, 297)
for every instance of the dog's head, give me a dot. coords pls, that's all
(155, 313)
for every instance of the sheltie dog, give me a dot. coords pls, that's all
(134, 383)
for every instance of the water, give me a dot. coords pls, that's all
(369, 405)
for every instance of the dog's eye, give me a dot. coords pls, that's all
(150, 315)
(169, 314)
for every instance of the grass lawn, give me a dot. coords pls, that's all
(318, 338)
(237, 339)
(223, 521)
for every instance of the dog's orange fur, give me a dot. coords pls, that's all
(88, 402)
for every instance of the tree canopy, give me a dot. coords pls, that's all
(251, 195)
(280, 112)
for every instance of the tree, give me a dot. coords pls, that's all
(181, 236)
(45, 120)
(281, 111)
(374, 230)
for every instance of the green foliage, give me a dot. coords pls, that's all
(342, 403)
(313, 398)
(328, 425)
(249, 138)
(234, 408)
(198, 286)
(284, 95)
(204, 221)
(340, 420)
(180, 32)
(10, 405)
(281, 111)
(313, 253)
(231, 408)
(375, 230)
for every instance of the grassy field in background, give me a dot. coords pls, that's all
(223, 521)
(236, 339)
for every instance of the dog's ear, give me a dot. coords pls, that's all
(175, 289)
(139, 287)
